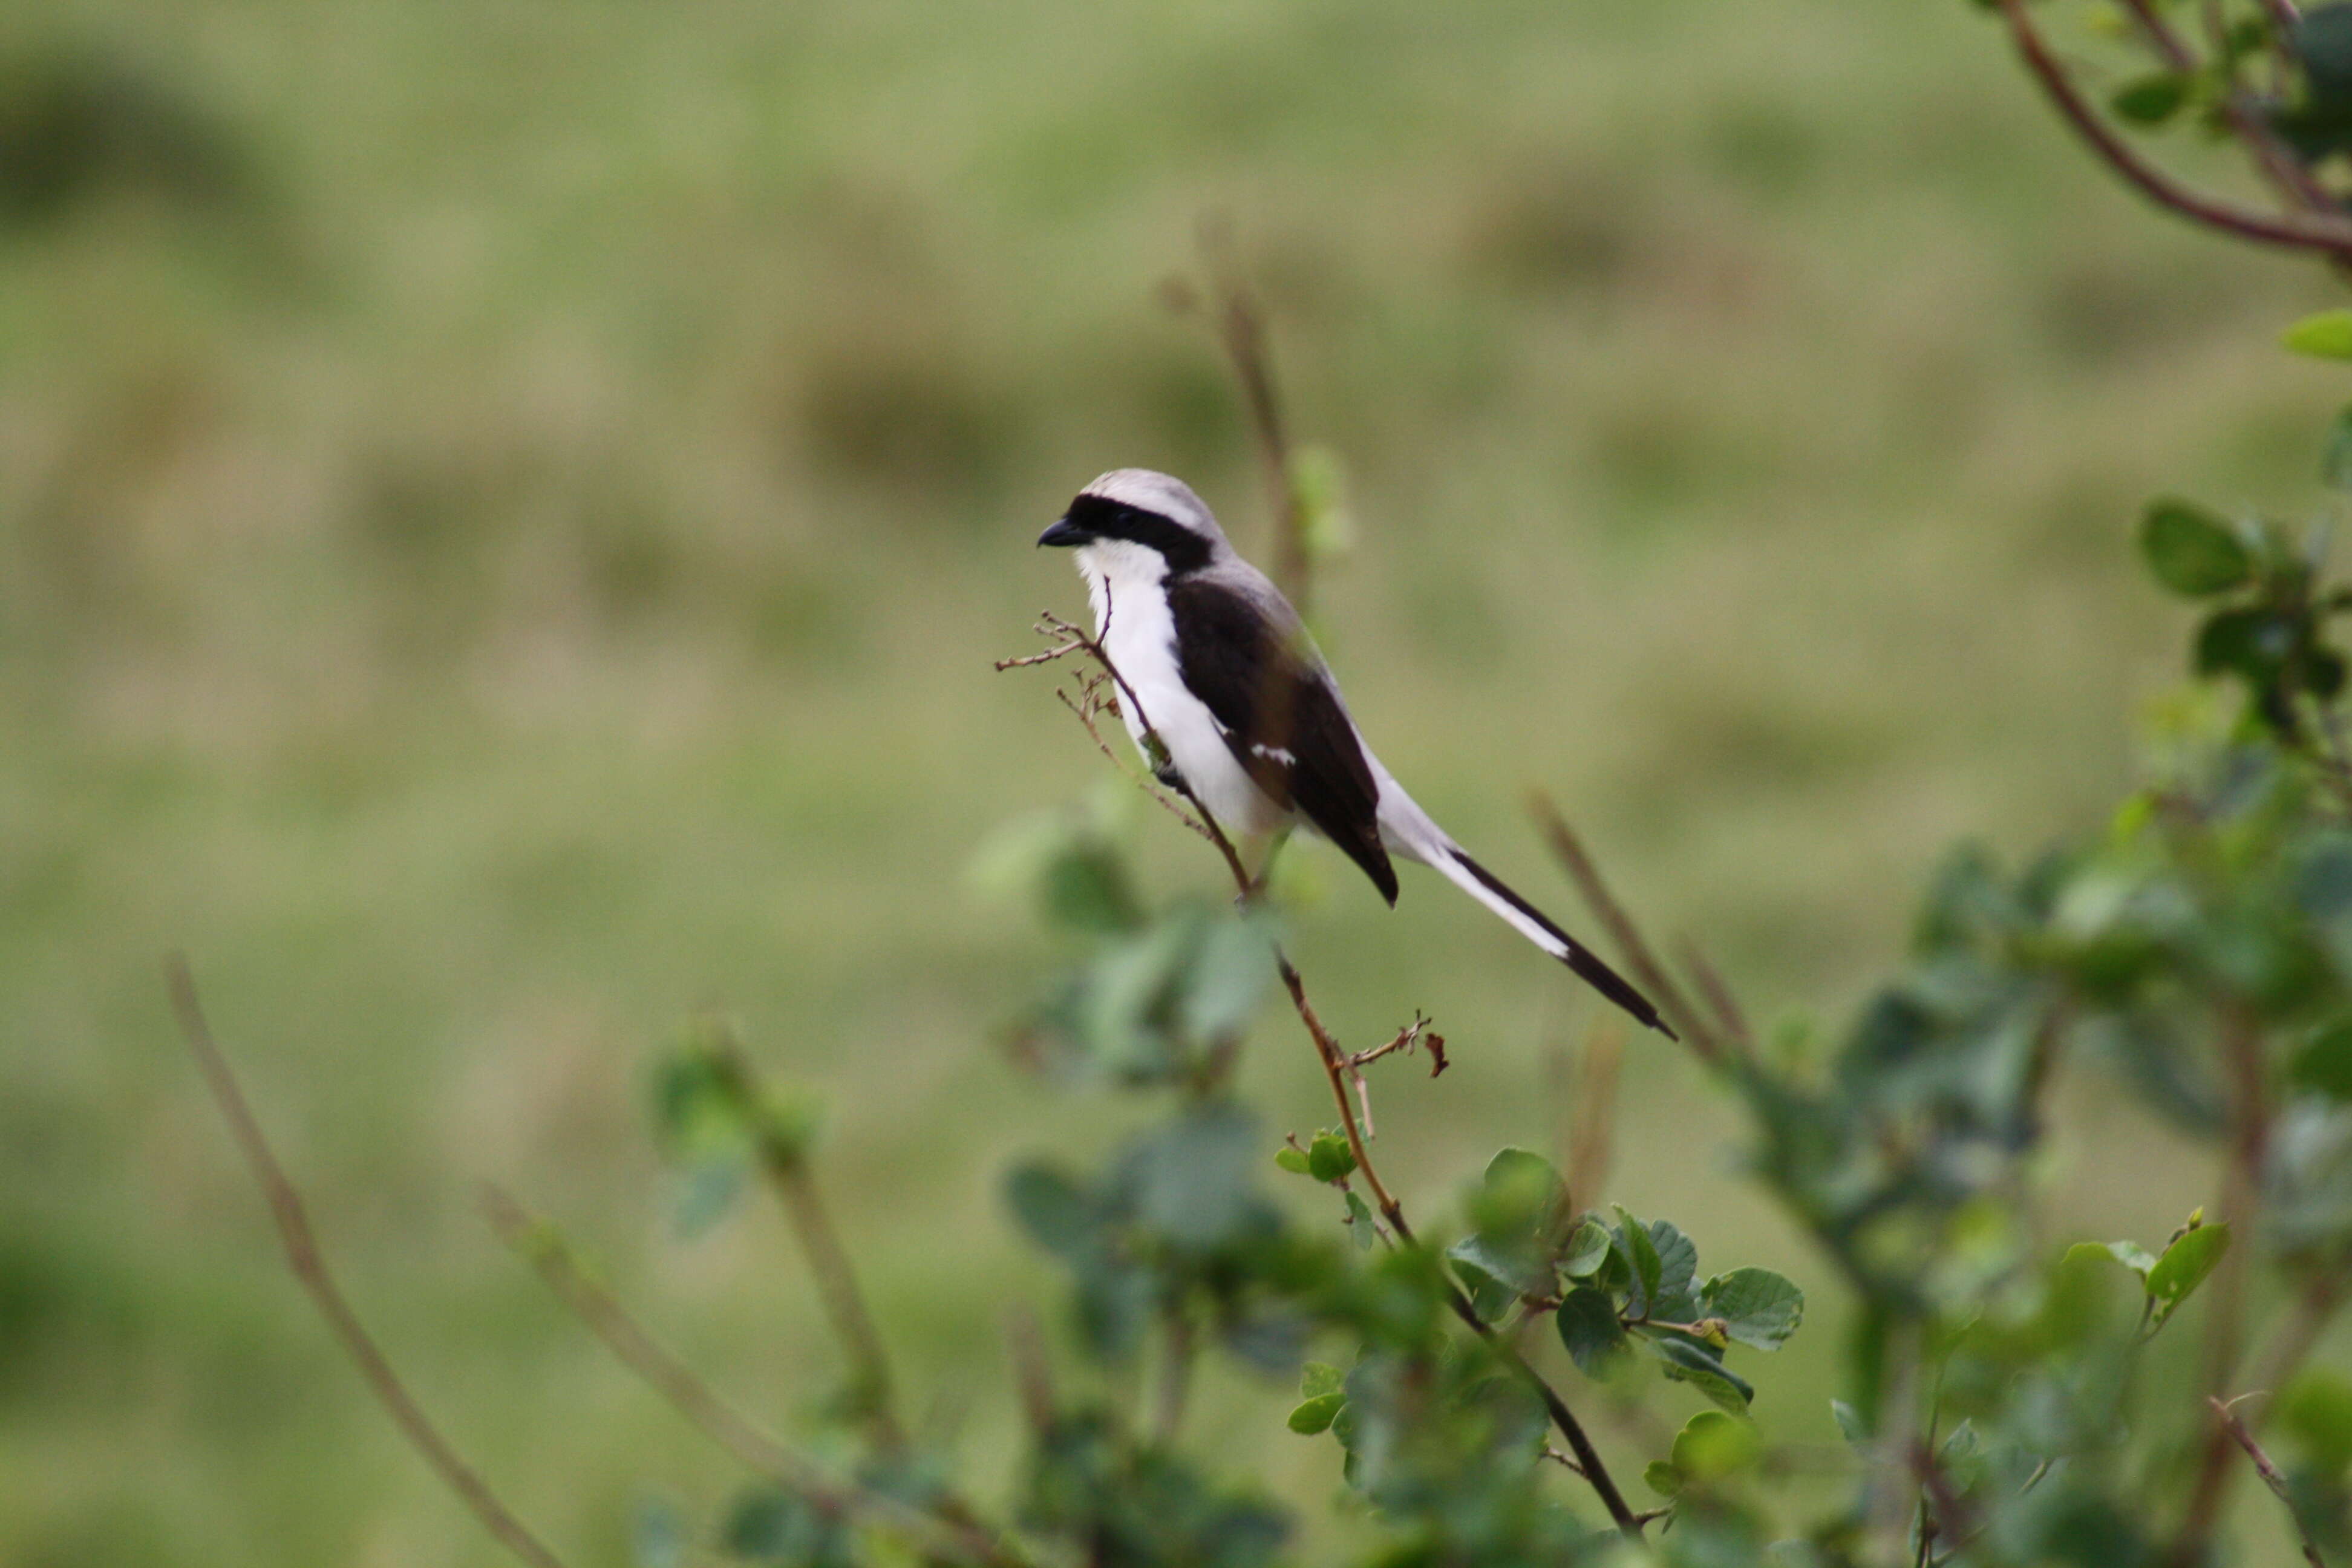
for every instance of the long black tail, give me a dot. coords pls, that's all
(1580, 960)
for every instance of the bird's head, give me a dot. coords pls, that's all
(1133, 522)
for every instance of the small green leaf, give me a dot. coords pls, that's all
(2193, 552)
(1292, 1160)
(1712, 1444)
(1050, 1206)
(1662, 1478)
(1518, 1270)
(2151, 100)
(1329, 1158)
(1318, 1378)
(1587, 1320)
(2183, 1268)
(1315, 1415)
(2327, 335)
(1687, 1362)
(1588, 1249)
(2130, 1254)
(1359, 1223)
(1850, 1423)
(2248, 640)
(1641, 1254)
(1758, 1307)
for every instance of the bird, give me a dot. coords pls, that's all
(1216, 663)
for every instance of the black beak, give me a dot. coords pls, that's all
(1064, 534)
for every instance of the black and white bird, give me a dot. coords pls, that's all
(1253, 724)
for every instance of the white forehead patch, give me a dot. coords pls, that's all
(1168, 496)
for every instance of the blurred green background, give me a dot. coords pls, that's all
(505, 510)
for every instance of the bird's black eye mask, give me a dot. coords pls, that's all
(1092, 517)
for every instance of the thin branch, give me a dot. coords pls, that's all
(1335, 1061)
(1652, 975)
(837, 1281)
(1404, 1040)
(538, 1244)
(2241, 1051)
(2236, 1429)
(1733, 1022)
(1239, 326)
(1593, 1129)
(1948, 1516)
(2327, 232)
(309, 1268)
(2273, 158)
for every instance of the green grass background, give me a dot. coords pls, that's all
(505, 510)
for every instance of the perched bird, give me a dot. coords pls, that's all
(1252, 722)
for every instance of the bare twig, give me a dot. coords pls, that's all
(1631, 946)
(1239, 326)
(2274, 159)
(1592, 1127)
(836, 1282)
(1727, 1015)
(2329, 232)
(1405, 1039)
(1335, 1059)
(2241, 1051)
(537, 1244)
(309, 1268)
(1949, 1516)
(2236, 1429)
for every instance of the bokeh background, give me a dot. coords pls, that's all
(507, 508)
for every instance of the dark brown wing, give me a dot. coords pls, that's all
(1281, 720)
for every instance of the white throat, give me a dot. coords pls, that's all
(1122, 579)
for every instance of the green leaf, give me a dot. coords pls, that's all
(1758, 1307)
(1359, 1223)
(2130, 1254)
(2151, 100)
(1517, 1194)
(1678, 1264)
(1318, 1378)
(1195, 1176)
(1694, 1364)
(1315, 1415)
(1642, 1256)
(2316, 1406)
(1231, 972)
(1661, 1478)
(2323, 1062)
(1052, 1208)
(1521, 1270)
(1587, 1320)
(1850, 1423)
(1712, 1445)
(2192, 550)
(1490, 1298)
(1329, 1158)
(1586, 1251)
(2183, 1268)
(2327, 335)
(1292, 1160)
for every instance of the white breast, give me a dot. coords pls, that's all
(1123, 584)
